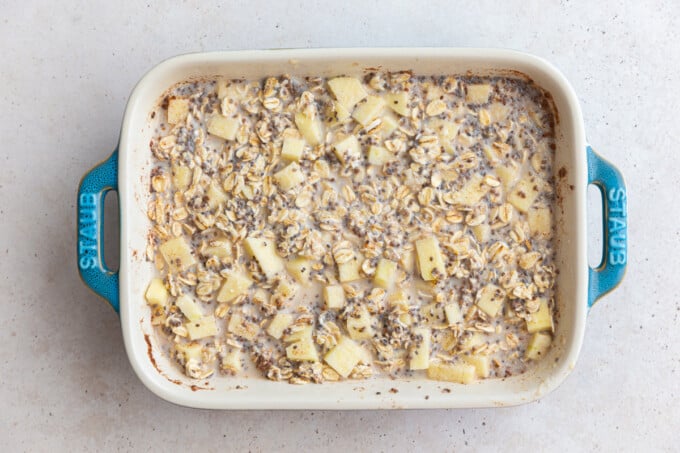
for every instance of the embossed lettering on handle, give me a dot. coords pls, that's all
(609, 273)
(87, 230)
(91, 194)
(617, 226)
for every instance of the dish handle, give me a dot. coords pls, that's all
(92, 191)
(609, 273)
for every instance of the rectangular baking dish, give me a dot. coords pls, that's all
(127, 171)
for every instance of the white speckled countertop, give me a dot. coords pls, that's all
(66, 69)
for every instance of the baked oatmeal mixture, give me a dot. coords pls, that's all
(315, 230)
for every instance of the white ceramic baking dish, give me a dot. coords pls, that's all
(127, 171)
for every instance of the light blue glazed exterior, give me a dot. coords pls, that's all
(91, 265)
(609, 273)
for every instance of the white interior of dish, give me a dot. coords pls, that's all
(229, 392)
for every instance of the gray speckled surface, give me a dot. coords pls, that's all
(66, 70)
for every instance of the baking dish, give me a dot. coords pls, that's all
(127, 172)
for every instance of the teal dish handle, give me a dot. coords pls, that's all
(92, 191)
(609, 273)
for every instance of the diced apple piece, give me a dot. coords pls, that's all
(239, 325)
(524, 194)
(178, 109)
(286, 288)
(538, 345)
(181, 177)
(336, 114)
(507, 175)
(432, 91)
(482, 232)
(177, 254)
(189, 308)
(341, 112)
(398, 298)
(347, 149)
(290, 176)
(430, 260)
(349, 271)
(299, 333)
(368, 110)
(377, 155)
(334, 296)
(301, 347)
(232, 360)
(478, 93)
(302, 351)
(471, 341)
(156, 294)
(310, 127)
(473, 191)
(446, 129)
(419, 358)
(216, 196)
(542, 319)
(263, 251)
(300, 268)
(490, 299)
(499, 112)
(388, 125)
(453, 313)
(189, 351)
(359, 324)
(292, 149)
(482, 364)
(385, 273)
(223, 127)
(204, 327)
(279, 323)
(398, 102)
(540, 221)
(344, 356)
(484, 118)
(461, 373)
(347, 90)
(234, 285)
(432, 314)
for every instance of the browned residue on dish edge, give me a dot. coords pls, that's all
(520, 75)
(149, 351)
